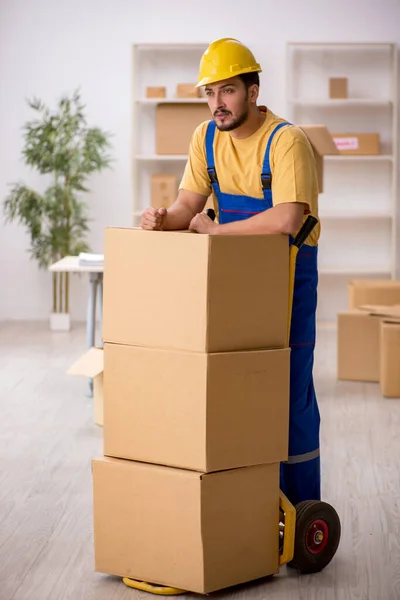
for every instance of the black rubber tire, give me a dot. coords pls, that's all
(307, 512)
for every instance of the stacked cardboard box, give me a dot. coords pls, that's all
(196, 401)
(369, 335)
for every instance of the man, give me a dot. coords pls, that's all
(262, 175)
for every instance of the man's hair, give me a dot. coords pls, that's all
(250, 79)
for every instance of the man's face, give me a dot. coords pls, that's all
(229, 102)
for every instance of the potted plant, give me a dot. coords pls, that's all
(60, 144)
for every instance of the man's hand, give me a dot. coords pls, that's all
(154, 218)
(201, 223)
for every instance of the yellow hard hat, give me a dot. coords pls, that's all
(225, 58)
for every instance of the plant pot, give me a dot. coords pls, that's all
(60, 321)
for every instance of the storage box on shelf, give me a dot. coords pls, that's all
(175, 124)
(359, 188)
(164, 189)
(338, 87)
(350, 144)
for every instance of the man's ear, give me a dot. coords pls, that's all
(253, 93)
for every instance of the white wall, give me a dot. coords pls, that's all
(48, 47)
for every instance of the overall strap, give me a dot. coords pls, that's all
(266, 176)
(210, 156)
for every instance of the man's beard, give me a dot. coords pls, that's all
(242, 118)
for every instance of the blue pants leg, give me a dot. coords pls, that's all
(300, 475)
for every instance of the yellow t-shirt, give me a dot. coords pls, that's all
(238, 164)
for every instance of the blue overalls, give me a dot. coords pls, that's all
(300, 474)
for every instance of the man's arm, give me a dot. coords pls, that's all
(286, 218)
(186, 206)
(178, 216)
(194, 190)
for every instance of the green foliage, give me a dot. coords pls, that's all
(61, 144)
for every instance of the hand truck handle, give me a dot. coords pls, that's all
(305, 231)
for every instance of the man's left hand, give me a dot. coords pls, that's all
(201, 223)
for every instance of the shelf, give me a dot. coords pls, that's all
(355, 271)
(342, 45)
(164, 157)
(172, 46)
(358, 157)
(171, 101)
(343, 216)
(350, 102)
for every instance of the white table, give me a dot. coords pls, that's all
(70, 264)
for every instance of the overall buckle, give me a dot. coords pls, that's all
(212, 175)
(266, 181)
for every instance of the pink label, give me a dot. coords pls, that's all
(346, 143)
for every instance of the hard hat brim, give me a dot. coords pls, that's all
(228, 75)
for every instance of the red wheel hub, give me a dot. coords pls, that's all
(317, 536)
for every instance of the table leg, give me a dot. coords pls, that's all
(100, 297)
(91, 319)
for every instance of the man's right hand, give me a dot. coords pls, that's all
(154, 218)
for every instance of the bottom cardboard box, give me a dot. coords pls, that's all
(368, 346)
(197, 532)
(390, 359)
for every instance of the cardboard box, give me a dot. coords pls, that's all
(393, 312)
(91, 365)
(187, 90)
(206, 412)
(184, 529)
(358, 346)
(357, 143)
(164, 190)
(188, 291)
(175, 125)
(373, 292)
(156, 92)
(338, 87)
(390, 358)
(322, 145)
(358, 337)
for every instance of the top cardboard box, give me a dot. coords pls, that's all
(194, 292)
(383, 292)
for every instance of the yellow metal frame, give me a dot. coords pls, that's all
(288, 530)
(153, 589)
